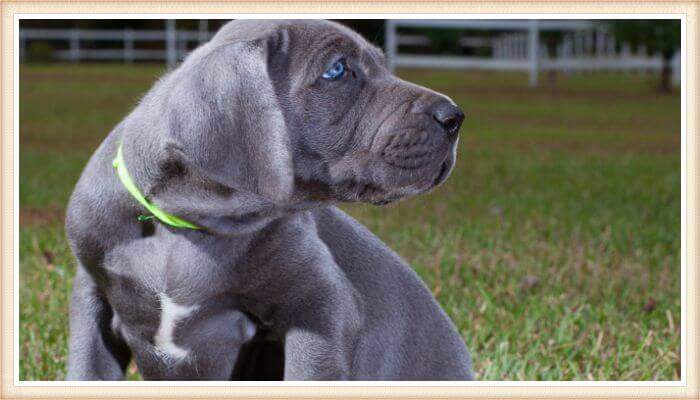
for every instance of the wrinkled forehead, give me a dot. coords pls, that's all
(316, 38)
(301, 38)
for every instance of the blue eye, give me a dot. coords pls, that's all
(337, 70)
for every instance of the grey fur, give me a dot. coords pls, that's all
(246, 140)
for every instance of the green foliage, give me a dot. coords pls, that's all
(554, 246)
(39, 52)
(661, 36)
(551, 39)
(444, 41)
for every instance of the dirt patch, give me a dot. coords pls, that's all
(40, 217)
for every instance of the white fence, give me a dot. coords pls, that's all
(176, 42)
(516, 46)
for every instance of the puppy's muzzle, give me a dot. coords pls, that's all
(423, 147)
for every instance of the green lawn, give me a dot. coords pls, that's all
(554, 246)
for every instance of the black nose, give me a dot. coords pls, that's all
(448, 115)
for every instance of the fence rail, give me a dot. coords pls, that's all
(563, 64)
(176, 43)
(110, 34)
(586, 46)
(514, 45)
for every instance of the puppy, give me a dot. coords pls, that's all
(204, 227)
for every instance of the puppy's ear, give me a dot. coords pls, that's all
(227, 120)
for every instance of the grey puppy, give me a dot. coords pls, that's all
(252, 139)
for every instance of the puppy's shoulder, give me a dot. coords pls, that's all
(337, 228)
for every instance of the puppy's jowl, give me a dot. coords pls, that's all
(205, 231)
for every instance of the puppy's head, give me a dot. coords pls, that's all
(358, 132)
(316, 115)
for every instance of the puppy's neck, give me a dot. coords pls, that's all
(176, 187)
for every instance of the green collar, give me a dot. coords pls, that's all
(128, 183)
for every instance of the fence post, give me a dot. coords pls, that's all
(22, 49)
(532, 48)
(600, 43)
(203, 30)
(626, 50)
(75, 45)
(568, 46)
(181, 46)
(578, 43)
(642, 50)
(676, 68)
(611, 46)
(170, 44)
(128, 45)
(588, 43)
(390, 44)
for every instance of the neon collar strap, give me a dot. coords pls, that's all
(129, 184)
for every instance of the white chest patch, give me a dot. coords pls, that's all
(170, 314)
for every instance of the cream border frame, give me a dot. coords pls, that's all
(686, 388)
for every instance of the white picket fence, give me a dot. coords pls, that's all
(514, 45)
(586, 46)
(176, 43)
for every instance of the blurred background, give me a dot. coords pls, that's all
(555, 244)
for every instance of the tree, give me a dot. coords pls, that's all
(551, 39)
(659, 36)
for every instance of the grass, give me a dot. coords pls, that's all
(554, 246)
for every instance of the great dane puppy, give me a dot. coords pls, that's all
(249, 143)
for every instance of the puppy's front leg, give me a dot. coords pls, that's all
(325, 326)
(95, 352)
(291, 282)
(309, 355)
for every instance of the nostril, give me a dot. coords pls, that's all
(450, 124)
(448, 116)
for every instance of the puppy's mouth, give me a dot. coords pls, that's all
(383, 180)
(405, 182)
(442, 175)
(410, 152)
(367, 190)
(378, 195)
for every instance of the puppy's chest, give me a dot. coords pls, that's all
(163, 295)
(173, 326)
